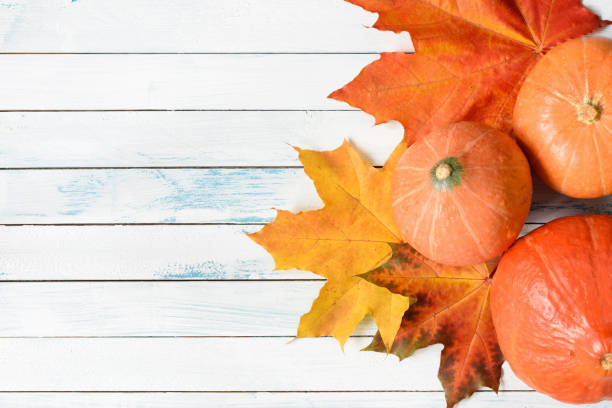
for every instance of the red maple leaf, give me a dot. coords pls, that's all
(471, 58)
(452, 308)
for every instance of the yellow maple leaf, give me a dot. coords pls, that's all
(348, 237)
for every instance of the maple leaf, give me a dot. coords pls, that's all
(452, 308)
(347, 237)
(471, 58)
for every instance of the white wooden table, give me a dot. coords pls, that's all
(139, 141)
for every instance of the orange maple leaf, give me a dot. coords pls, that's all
(471, 58)
(348, 237)
(452, 308)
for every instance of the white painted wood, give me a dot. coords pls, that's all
(210, 138)
(136, 252)
(43, 309)
(202, 26)
(175, 81)
(199, 82)
(191, 195)
(214, 364)
(523, 399)
(191, 26)
(159, 252)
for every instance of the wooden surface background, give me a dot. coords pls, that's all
(139, 141)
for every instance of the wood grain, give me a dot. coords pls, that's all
(192, 196)
(178, 81)
(150, 252)
(523, 399)
(213, 109)
(191, 26)
(67, 309)
(214, 364)
(208, 138)
(204, 26)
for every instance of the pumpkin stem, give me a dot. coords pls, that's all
(443, 171)
(446, 174)
(606, 361)
(589, 111)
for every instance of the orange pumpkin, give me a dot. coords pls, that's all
(461, 194)
(551, 301)
(563, 119)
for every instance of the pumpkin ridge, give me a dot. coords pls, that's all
(432, 229)
(599, 161)
(493, 208)
(405, 196)
(470, 230)
(558, 284)
(471, 144)
(567, 170)
(585, 66)
(424, 210)
(550, 92)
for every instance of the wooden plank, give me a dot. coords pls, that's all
(151, 252)
(60, 309)
(191, 196)
(188, 26)
(523, 399)
(203, 26)
(209, 138)
(217, 82)
(168, 252)
(214, 364)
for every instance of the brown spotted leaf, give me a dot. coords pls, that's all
(452, 308)
(471, 58)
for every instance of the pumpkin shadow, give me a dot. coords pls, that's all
(548, 204)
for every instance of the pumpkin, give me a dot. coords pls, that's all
(551, 302)
(461, 194)
(563, 120)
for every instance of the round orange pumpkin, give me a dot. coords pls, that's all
(551, 301)
(461, 194)
(563, 117)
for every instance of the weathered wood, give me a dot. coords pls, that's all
(208, 138)
(214, 364)
(523, 399)
(151, 252)
(192, 196)
(191, 26)
(45, 309)
(179, 81)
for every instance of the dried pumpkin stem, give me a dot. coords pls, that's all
(606, 361)
(443, 171)
(589, 111)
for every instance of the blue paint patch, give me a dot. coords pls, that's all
(224, 191)
(80, 193)
(204, 270)
(71, 212)
(211, 270)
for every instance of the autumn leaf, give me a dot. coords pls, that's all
(471, 58)
(348, 237)
(452, 308)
